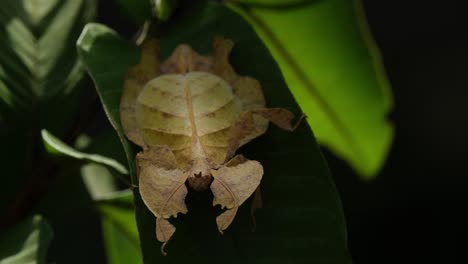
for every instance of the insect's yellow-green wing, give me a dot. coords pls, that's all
(215, 109)
(162, 115)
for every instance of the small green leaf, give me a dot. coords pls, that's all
(137, 11)
(119, 228)
(334, 71)
(56, 145)
(274, 3)
(163, 9)
(27, 242)
(301, 221)
(98, 180)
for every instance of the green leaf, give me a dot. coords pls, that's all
(106, 143)
(98, 180)
(301, 221)
(334, 71)
(163, 9)
(119, 228)
(274, 3)
(54, 144)
(27, 242)
(38, 59)
(109, 45)
(136, 10)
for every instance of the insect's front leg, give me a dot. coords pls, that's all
(257, 196)
(162, 188)
(257, 203)
(232, 185)
(251, 124)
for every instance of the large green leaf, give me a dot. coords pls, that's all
(98, 59)
(72, 213)
(27, 242)
(119, 228)
(333, 69)
(37, 56)
(117, 212)
(302, 220)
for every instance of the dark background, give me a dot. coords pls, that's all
(414, 212)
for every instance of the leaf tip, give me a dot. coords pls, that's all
(89, 34)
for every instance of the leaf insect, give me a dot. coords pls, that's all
(190, 114)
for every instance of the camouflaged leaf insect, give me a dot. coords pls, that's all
(190, 114)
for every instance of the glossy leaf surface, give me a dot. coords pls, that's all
(302, 219)
(119, 228)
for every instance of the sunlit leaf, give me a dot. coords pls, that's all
(140, 10)
(163, 9)
(98, 180)
(119, 228)
(334, 71)
(117, 213)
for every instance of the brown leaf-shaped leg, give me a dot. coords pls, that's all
(245, 129)
(250, 125)
(249, 91)
(232, 186)
(163, 191)
(221, 67)
(137, 76)
(224, 220)
(236, 160)
(162, 188)
(164, 231)
(256, 204)
(281, 117)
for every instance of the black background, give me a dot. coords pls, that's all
(415, 211)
